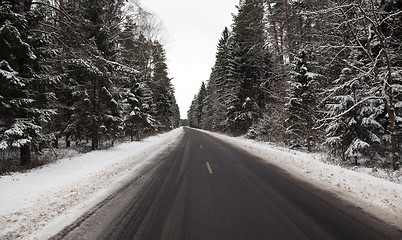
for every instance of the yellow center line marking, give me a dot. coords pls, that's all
(209, 168)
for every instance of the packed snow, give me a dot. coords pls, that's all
(376, 191)
(40, 203)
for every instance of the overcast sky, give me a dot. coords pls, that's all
(193, 29)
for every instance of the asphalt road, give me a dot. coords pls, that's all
(206, 189)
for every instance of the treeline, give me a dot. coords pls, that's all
(82, 71)
(310, 74)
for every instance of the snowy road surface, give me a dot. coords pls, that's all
(148, 177)
(207, 189)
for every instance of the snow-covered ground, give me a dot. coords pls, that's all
(376, 191)
(40, 203)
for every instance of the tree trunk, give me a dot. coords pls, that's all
(95, 128)
(309, 136)
(289, 39)
(394, 137)
(301, 31)
(56, 142)
(138, 134)
(68, 141)
(95, 137)
(389, 99)
(131, 134)
(25, 156)
(278, 48)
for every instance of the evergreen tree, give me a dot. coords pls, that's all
(138, 114)
(195, 113)
(301, 104)
(209, 108)
(251, 62)
(223, 83)
(372, 53)
(24, 96)
(358, 44)
(164, 101)
(191, 115)
(135, 117)
(202, 94)
(72, 69)
(95, 75)
(353, 129)
(175, 110)
(388, 42)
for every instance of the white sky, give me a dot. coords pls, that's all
(193, 29)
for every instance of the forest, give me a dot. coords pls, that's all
(79, 73)
(317, 75)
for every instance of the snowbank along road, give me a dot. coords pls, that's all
(40, 203)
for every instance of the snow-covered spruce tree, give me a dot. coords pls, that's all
(135, 117)
(49, 51)
(353, 129)
(191, 115)
(137, 52)
(250, 61)
(164, 101)
(301, 103)
(86, 119)
(223, 83)
(23, 94)
(142, 62)
(387, 25)
(60, 24)
(201, 96)
(372, 38)
(136, 93)
(156, 87)
(195, 114)
(209, 107)
(175, 110)
(291, 26)
(93, 69)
